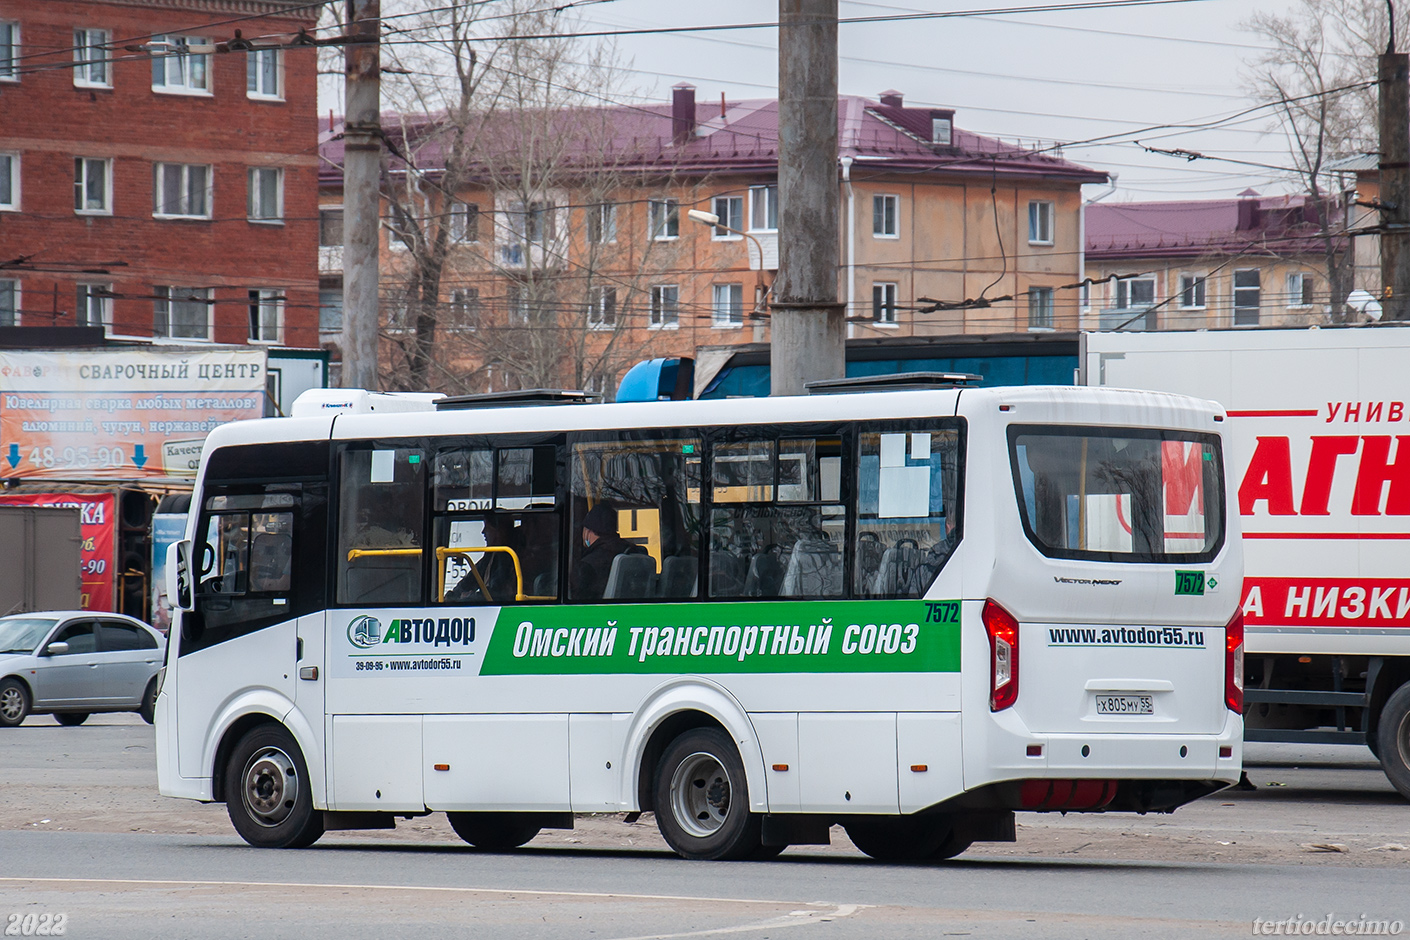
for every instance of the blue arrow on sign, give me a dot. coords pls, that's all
(139, 455)
(14, 457)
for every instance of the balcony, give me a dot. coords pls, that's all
(1128, 319)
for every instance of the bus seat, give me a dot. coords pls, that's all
(814, 570)
(766, 570)
(631, 576)
(727, 574)
(546, 584)
(678, 576)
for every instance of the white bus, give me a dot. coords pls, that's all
(911, 613)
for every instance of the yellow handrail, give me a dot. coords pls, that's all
(442, 554)
(355, 553)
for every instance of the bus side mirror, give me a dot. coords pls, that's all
(178, 573)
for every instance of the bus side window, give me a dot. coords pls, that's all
(381, 499)
(908, 509)
(635, 518)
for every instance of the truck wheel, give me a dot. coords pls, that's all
(267, 792)
(71, 719)
(14, 703)
(899, 838)
(1394, 739)
(493, 832)
(702, 800)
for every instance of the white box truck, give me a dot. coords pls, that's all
(1319, 429)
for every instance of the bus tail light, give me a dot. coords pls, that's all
(1234, 664)
(1003, 655)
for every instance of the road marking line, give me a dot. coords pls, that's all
(385, 887)
(791, 919)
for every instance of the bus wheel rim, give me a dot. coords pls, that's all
(270, 786)
(11, 703)
(700, 794)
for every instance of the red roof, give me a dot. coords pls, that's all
(1284, 225)
(743, 139)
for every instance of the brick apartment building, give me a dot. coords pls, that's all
(601, 258)
(162, 197)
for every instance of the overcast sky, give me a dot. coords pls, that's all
(1052, 77)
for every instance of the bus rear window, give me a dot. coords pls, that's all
(1119, 494)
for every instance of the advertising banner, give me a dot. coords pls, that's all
(167, 530)
(97, 527)
(120, 414)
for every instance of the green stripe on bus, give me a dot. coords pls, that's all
(759, 637)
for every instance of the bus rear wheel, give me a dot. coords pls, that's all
(494, 832)
(267, 792)
(1394, 739)
(904, 838)
(702, 799)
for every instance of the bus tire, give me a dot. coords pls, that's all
(14, 703)
(900, 838)
(1394, 739)
(71, 719)
(267, 791)
(494, 832)
(702, 799)
(148, 708)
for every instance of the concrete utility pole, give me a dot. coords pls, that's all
(362, 159)
(1395, 178)
(807, 329)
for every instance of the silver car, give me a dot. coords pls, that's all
(72, 663)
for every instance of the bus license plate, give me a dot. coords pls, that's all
(1125, 705)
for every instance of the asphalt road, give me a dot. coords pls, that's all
(83, 834)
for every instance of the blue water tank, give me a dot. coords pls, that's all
(671, 379)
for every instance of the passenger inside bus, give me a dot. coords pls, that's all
(491, 577)
(601, 547)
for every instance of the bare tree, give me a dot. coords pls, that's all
(1320, 73)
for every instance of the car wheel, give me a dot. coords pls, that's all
(702, 800)
(148, 708)
(493, 832)
(899, 838)
(14, 703)
(267, 792)
(1394, 735)
(71, 719)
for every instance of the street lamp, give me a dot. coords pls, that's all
(761, 295)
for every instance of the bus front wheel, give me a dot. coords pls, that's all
(1394, 734)
(702, 800)
(494, 832)
(267, 792)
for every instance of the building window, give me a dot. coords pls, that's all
(182, 313)
(1040, 223)
(330, 310)
(94, 305)
(266, 197)
(763, 208)
(180, 71)
(665, 218)
(9, 50)
(1040, 308)
(266, 315)
(727, 305)
(1192, 291)
(90, 57)
(942, 131)
(330, 228)
(665, 307)
(531, 223)
(1248, 296)
(464, 310)
(730, 211)
(464, 222)
(9, 181)
(264, 74)
(602, 308)
(884, 213)
(182, 190)
(602, 224)
(1135, 293)
(1301, 290)
(402, 229)
(883, 303)
(1084, 294)
(92, 186)
(9, 303)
